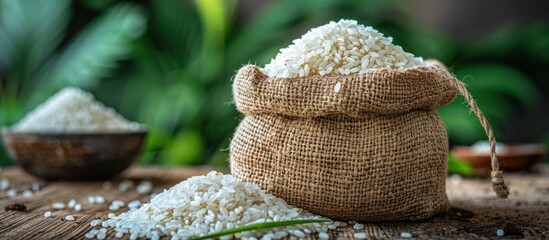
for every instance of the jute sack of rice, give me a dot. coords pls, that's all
(363, 146)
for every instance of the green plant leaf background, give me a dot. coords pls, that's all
(169, 64)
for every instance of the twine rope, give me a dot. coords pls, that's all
(498, 183)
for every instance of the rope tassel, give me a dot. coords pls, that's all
(498, 183)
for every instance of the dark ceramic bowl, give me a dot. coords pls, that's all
(73, 156)
(514, 158)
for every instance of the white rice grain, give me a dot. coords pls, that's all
(95, 222)
(27, 193)
(12, 193)
(58, 205)
(406, 235)
(337, 87)
(134, 204)
(500, 232)
(4, 184)
(144, 187)
(125, 185)
(35, 187)
(323, 235)
(359, 235)
(207, 204)
(71, 203)
(99, 199)
(347, 46)
(73, 110)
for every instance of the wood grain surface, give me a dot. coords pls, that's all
(475, 212)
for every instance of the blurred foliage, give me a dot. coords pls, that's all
(175, 75)
(38, 58)
(459, 166)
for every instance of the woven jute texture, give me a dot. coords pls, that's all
(366, 146)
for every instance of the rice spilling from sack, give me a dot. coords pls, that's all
(208, 204)
(74, 110)
(341, 48)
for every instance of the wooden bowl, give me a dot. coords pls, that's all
(512, 158)
(73, 156)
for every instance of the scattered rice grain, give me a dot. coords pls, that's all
(58, 205)
(134, 204)
(27, 193)
(71, 203)
(125, 185)
(359, 235)
(323, 235)
(405, 234)
(500, 232)
(114, 208)
(95, 222)
(337, 87)
(358, 226)
(144, 187)
(35, 187)
(12, 193)
(100, 199)
(4, 184)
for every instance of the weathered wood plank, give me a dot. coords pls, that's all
(476, 213)
(32, 225)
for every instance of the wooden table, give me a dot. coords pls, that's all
(476, 213)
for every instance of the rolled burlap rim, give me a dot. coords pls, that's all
(359, 95)
(383, 91)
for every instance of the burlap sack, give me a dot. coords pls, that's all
(366, 146)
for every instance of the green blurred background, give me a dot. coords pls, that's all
(169, 63)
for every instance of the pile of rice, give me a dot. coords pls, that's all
(208, 204)
(73, 110)
(342, 48)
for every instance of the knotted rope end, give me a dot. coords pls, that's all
(498, 184)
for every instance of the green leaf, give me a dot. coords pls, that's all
(215, 16)
(494, 45)
(176, 27)
(97, 4)
(459, 166)
(535, 41)
(497, 79)
(187, 148)
(95, 51)
(214, 19)
(462, 126)
(260, 226)
(30, 31)
(426, 45)
(497, 89)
